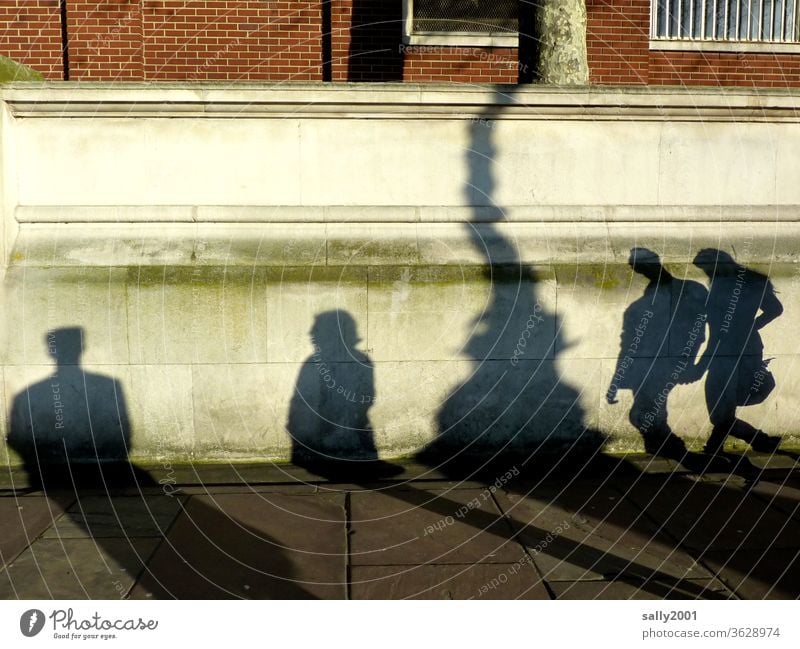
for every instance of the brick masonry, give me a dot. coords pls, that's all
(30, 32)
(105, 40)
(618, 35)
(282, 41)
(237, 41)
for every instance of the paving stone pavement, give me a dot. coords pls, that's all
(649, 532)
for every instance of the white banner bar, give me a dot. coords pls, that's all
(485, 625)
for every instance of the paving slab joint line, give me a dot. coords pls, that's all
(4, 566)
(348, 568)
(516, 537)
(162, 540)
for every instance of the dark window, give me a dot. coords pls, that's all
(464, 17)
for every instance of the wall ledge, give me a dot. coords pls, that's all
(411, 101)
(405, 213)
(251, 245)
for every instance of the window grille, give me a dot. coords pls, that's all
(759, 21)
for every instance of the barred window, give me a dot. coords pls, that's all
(461, 21)
(757, 21)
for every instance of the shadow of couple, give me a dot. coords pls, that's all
(679, 331)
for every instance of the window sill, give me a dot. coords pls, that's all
(689, 45)
(463, 40)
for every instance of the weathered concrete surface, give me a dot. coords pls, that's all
(561, 28)
(593, 150)
(209, 360)
(238, 290)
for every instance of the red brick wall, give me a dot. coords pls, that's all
(194, 40)
(617, 40)
(619, 53)
(233, 40)
(282, 40)
(30, 33)
(461, 64)
(725, 69)
(105, 40)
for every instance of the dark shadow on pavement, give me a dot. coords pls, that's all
(73, 434)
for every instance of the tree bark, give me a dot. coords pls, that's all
(561, 31)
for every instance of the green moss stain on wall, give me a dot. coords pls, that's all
(10, 70)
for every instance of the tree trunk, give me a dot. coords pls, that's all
(561, 30)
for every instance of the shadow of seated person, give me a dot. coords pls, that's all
(329, 413)
(73, 434)
(72, 428)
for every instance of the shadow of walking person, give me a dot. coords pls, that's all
(662, 333)
(329, 413)
(741, 302)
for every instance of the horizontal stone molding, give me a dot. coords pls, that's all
(463, 155)
(404, 213)
(412, 101)
(397, 244)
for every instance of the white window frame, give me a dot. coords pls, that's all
(503, 39)
(689, 43)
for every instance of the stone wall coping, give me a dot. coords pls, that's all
(412, 101)
(269, 214)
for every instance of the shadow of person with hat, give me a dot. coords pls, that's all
(328, 421)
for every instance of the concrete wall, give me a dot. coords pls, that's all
(460, 255)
